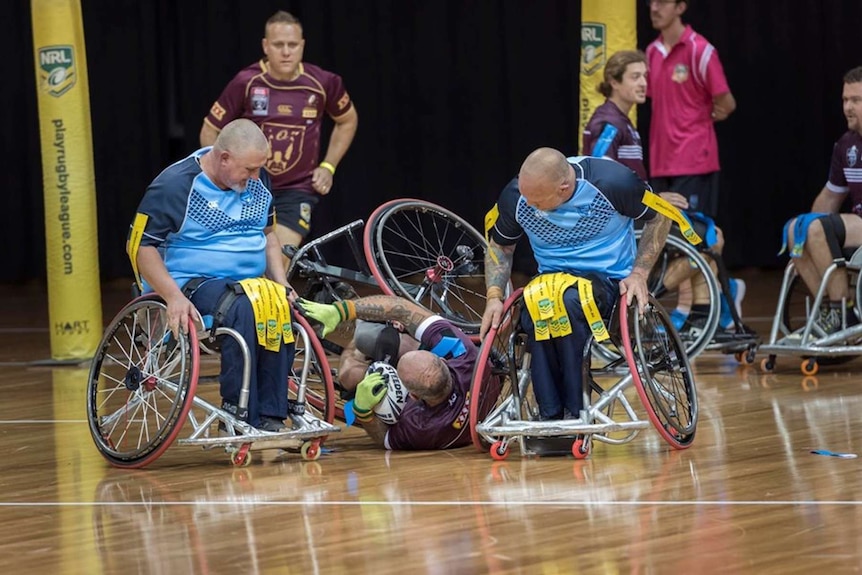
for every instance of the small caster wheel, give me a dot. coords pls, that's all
(499, 451)
(809, 367)
(310, 450)
(745, 357)
(242, 457)
(767, 365)
(581, 448)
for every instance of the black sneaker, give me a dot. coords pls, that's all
(694, 325)
(829, 320)
(272, 424)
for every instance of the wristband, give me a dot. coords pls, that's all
(494, 292)
(329, 167)
(346, 310)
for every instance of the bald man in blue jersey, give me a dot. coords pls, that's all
(203, 229)
(578, 214)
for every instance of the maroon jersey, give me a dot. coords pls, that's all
(845, 173)
(289, 113)
(626, 146)
(447, 424)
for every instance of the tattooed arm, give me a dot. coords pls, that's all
(650, 246)
(383, 308)
(498, 270)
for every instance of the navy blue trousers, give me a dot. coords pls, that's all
(269, 370)
(557, 363)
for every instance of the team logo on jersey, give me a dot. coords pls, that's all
(680, 73)
(312, 99)
(57, 69)
(309, 112)
(285, 146)
(259, 100)
(593, 47)
(285, 109)
(852, 156)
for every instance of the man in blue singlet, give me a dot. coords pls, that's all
(578, 215)
(203, 235)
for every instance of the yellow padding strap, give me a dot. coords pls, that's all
(271, 312)
(490, 220)
(138, 227)
(544, 298)
(665, 208)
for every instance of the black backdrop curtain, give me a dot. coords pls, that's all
(452, 95)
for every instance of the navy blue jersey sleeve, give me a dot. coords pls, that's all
(165, 203)
(506, 230)
(621, 186)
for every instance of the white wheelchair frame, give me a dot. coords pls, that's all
(499, 417)
(143, 383)
(805, 340)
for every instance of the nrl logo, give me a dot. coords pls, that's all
(57, 69)
(593, 47)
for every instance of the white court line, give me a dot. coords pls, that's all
(17, 421)
(151, 504)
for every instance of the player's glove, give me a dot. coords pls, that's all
(329, 315)
(370, 391)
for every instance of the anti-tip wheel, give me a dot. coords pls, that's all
(581, 448)
(499, 451)
(310, 450)
(241, 457)
(809, 366)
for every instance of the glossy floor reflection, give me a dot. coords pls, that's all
(747, 497)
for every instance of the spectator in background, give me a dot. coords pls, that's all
(288, 99)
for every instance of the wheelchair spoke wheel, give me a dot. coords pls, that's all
(428, 254)
(141, 385)
(496, 374)
(661, 373)
(680, 259)
(311, 376)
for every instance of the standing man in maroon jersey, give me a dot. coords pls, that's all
(288, 99)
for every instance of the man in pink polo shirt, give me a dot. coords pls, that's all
(689, 92)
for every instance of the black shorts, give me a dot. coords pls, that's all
(293, 209)
(701, 191)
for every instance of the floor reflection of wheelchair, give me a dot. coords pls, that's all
(794, 331)
(709, 272)
(143, 392)
(658, 368)
(411, 248)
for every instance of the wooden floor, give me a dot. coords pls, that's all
(747, 497)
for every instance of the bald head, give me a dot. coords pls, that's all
(546, 179)
(426, 376)
(240, 137)
(238, 154)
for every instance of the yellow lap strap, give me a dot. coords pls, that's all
(271, 312)
(544, 297)
(665, 208)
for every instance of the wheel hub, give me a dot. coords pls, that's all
(444, 266)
